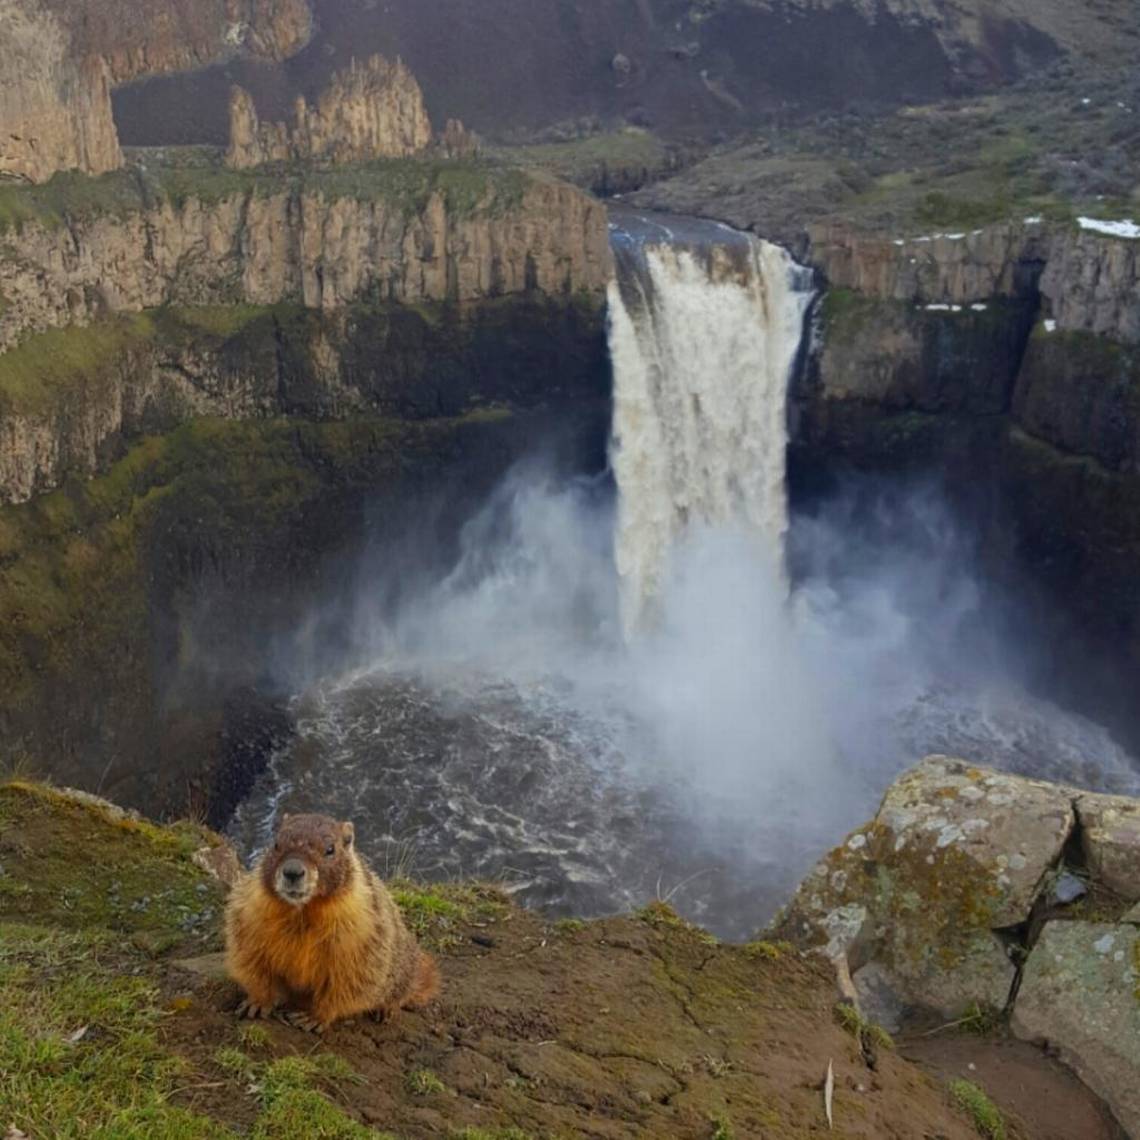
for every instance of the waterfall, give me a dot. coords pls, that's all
(705, 327)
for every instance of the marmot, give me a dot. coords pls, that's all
(313, 928)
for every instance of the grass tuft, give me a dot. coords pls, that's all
(423, 1082)
(862, 1029)
(986, 1116)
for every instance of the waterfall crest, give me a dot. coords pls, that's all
(704, 333)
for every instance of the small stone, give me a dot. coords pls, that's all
(621, 64)
(1069, 888)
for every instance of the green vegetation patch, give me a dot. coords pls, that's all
(864, 1031)
(662, 916)
(436, 913)
(70, 196)
(52, 368)
(467, 187)
(79, 1054)
(604, 161)
(423, 1082)
(78, 865)
(986, 1115)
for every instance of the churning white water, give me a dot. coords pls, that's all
(702, 353)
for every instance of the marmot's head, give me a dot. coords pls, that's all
(311, 857)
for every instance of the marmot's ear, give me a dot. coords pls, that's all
(348, 833)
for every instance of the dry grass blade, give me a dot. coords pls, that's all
(829, 1094)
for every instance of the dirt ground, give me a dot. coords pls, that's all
(1040, 1092)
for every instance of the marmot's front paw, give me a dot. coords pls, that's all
(306, 1022)
(253, 1011)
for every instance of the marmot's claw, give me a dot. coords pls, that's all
(305, 1022)
(253, 1011)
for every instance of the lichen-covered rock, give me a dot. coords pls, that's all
(1110, 839)
(955, 854)
(373, 110)
(1079, 996)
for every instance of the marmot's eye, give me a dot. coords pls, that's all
(330, 851)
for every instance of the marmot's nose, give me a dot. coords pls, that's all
(293, 871)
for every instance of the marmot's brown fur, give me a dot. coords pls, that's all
(313, 928)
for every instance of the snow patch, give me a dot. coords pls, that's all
(1050, 326)
(1122, 229)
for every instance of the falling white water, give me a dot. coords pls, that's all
(703, 341)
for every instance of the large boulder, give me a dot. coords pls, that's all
(1079, 996)
(956, 856)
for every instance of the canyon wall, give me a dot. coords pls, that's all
(1007, 362)
(67, 397)
(61, 60)
(55, 110)
(372, 110)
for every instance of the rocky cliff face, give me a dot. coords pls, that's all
(374, 110)
(68, 398)
(468, 233)
(1008, 359)
(55, 110)
(62, 58)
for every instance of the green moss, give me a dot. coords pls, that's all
(423, 1082)
(292, 1106)
(75, 866)
(569, 925)
(468, 187)
(603, 161)
(662, 916)
(769, 951)
(78, 562)
(845, 311)
(986, 1116)
(982, 1021)
(860, 1028)
(253, 1036)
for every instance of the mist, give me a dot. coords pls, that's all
(711, 756)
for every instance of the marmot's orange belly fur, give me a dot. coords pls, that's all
(344, 951)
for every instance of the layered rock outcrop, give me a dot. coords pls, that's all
(68, 398)
(62, 58)
(372, 110)
(1008, 359)
(470, 234)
